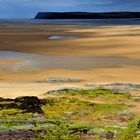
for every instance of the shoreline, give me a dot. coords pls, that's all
(13, 90)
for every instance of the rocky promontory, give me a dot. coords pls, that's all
(86, 15)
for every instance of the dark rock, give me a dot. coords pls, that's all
(138, 125)
(61, 91)
(17, 135)
(8, 100)
(1, 99)
(82, 131)
(30, 104)
(7, 106)
(109, 135)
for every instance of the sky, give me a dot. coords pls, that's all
(29, 8)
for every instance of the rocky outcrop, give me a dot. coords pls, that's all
(61, 91)
(30, 104)
(86, 15)
(60, 80)
(17, 135)
(26, 103)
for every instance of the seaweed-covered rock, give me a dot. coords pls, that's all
(30, 104)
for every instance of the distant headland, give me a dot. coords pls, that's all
(86, 15)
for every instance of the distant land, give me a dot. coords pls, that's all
(86, 15)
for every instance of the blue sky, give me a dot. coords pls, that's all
(28, 8)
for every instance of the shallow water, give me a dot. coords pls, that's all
(61, 37)
(33, 61)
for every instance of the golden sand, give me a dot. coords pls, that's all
(114, 41)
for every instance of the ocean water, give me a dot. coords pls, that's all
(72, 21)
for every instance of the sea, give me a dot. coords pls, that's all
(73, 21)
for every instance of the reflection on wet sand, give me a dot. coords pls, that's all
(34, 62)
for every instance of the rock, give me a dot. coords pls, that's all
(122, 86)
(1, 99)
(82, 131)
(59, 80)
(138, 125)
(61, 91)
(10, 105)
(6, 100)
(30, 104)
(126, 85)
(119, 91)
(109, 135)
(17, 135)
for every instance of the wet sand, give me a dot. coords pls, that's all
(96, 41)
(96, 54)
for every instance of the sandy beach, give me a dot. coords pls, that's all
(95, 54)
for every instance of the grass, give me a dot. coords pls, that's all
(77, 115)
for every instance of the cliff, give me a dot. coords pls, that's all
(86, 15)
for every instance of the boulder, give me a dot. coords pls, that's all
(30, 104)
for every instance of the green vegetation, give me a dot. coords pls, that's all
(77, 115)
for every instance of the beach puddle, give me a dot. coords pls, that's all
(36, 62)
(62, 37)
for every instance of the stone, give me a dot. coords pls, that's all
(109, 135)
(61, 91)
(30, 104)
(138, 125)
(60, 80)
